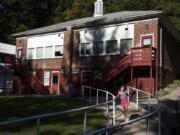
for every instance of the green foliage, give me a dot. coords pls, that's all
(169, 88)
(21, 15)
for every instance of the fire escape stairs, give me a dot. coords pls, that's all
(27, 78)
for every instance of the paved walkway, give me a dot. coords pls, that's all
(170, 113)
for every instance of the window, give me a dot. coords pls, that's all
(49, 52)
(85, 49)
(98, 48)
(30, 53)
(58, 50)
(147, 41)
(39, 52)
(111, 46)
(125, 45)
(46, 77)
(55, 78)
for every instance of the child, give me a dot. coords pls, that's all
(122, 93)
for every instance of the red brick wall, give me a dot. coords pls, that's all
(21, 43)
(143, 28)
(55, 63)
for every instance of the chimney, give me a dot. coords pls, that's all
(98, 8)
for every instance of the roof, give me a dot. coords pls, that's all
(7, 48)
(91, 21)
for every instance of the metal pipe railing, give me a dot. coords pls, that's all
(109, 100)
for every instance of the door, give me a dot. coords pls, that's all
(19, 54)
(55, 81)
(85, 80)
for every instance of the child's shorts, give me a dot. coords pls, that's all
(124, 103)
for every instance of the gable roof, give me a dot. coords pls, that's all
(114, 18)
(89, 21)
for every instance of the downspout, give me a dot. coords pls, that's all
(161, 57)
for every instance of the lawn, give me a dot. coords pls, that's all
(69, 124)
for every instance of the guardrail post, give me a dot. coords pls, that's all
(137, 99)
(85, 122)
(114, 111)
(97, 97)
(38, 126)
(159, 122)
(82, 91)
(90, 95)
(107, 117)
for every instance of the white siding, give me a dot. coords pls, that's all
(45, 41)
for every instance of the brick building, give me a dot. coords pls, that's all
(139, 48)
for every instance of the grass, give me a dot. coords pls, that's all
(69, 124)
(169, 88)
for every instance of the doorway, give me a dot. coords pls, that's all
(55, 81)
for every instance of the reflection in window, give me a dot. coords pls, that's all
(85, 49)
(58, 50)
(111, 46)
(49, 52)
(98, 48)
(39, 52)
(125, 45)
(147, 41)
(30, 53)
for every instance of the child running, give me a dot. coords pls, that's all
(122, 93)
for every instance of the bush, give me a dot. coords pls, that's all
(169, 88)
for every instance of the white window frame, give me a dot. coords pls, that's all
(45, 77)
(42, 53)
(126, 39)
(90, 47)
(33, 54)
(45, 52)
(103, 50)
(60, 50)
(144, 35)
(117, 50)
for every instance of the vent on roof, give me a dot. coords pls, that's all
(98, 8)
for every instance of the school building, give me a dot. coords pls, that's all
(138, 48)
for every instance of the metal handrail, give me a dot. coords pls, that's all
(38, 118)
(110, 99)
(146, 116)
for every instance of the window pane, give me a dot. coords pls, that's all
(147, 41)
(126, 44)
(98, 48)
(30, 53)
(85, 49)
(39, 52)
(59, 50)
(88, 50)
(111, 46)
(46, 78)
(82, 48)
(49, 52)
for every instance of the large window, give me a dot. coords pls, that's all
(125, 45)
(30, 53)
(58, 50)
(111, 47)
(85, 49)
(98, 48)
(39, 52)
(49, 52)
(46, 77)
